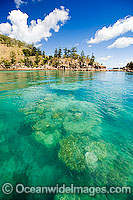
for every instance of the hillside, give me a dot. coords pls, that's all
(15, 54)
(8, 45)
(6, 51)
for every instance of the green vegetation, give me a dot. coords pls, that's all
(30, 56)
(130, 65)
(57, 60)
(10, 42)
(6, 63)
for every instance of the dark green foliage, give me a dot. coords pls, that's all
(50, 57)
(26, 52)
(56, 63)
(6, 63)
(65, 52)
(92, 60)
(130, 65)
(35, 51)
(28, 62)
(45, 60)
(59, 53)
(73, 52)
(37, 59)
(69, 53)
(43, 54)
(56, 53)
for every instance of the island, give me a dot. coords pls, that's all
(17, 55)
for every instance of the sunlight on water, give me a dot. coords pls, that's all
(66, 127)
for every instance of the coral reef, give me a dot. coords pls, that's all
(66, 197)
(98, 149)
(71, 154)
(47, 139)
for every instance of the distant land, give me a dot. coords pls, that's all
(17, 55)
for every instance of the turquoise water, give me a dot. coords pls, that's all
(66, 127)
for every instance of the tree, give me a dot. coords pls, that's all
(6, 63)
(43, 54)
(20, 43)
(50, 57)
(35, 51)
(130, 65)
(65, 52)
(56, 53)
(26, 52)
(28, 62)
(38, 51)
(88, 57)
(13, 57)
(59, 53)
(73, 52)
(82, 54)
(45, 60)
(92, 60)
(37, 59)
(69, 52)
(56, 63)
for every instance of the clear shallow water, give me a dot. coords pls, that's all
(66, 127)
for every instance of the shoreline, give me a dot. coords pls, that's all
(40, 69)
(44, 69)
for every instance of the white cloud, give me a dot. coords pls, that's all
(106, 33)
(129, 59)
(18, 3)
(121, 42)
(77, 44)
(5, 28)
(89, 45)
(105, 58)
(37, 30)
(38, 45)
(37, 0)
(121, 64)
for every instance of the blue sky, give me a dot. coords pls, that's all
(79, 25)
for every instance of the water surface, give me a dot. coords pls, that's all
(66, 127)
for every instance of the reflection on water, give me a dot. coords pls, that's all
(66, 127)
